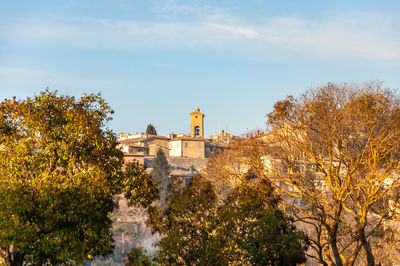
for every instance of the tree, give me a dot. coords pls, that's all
(151, 130)
(137, 257)
(186, 225)
(59, 171)
(334, 152)
(161, 175)
(228, 169)
(246, 229)
(140, 188)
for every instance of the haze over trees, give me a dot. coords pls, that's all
(197, 227)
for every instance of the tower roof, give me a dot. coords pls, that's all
(197, 112)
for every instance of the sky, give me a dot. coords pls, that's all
(154, 61)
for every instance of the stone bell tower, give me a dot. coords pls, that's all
(196, 123)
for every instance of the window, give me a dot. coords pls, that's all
(197, 131)
(186, 145)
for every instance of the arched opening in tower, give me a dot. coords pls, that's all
(197, 131)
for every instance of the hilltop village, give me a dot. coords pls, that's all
(186, 153)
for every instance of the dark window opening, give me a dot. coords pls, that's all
(197, 131)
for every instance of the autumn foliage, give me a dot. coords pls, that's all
(334, 155)
(59, 170)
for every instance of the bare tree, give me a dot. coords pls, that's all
(228, 169)
(335, 157)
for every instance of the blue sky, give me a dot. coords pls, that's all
(154, 61)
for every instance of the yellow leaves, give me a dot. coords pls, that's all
(213, 233)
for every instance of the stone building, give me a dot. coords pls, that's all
(187, 147)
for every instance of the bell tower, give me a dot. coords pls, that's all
(197, 123)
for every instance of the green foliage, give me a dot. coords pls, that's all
(264, 235)
(137, 257)
(187, 224)
(140, 189)
(59, 171)
(161, 167)
(161, 175)
(245, 229)
(151, 130)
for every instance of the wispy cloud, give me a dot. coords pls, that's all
(366, 35)
(236, 30)
(189, 9)
(363, 35)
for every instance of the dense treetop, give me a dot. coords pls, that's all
(59, 170)
(151, 130)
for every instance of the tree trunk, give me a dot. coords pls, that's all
(7, 258)
(367, 248)
(333, 244)
(19, 260)
(14, 258)
(39, 262)
(335, 251)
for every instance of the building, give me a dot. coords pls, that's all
(187, 147)
(186, 153)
